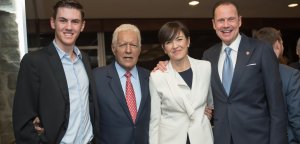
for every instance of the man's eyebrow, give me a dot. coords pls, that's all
(69, 19)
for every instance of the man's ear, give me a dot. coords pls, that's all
(83, 25)
(276, 45)
(213, 23)
(52, 23)
(113, 49)
(298, 51)
(163, 48)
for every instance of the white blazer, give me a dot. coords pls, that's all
(177, 110)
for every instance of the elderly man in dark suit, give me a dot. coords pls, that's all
(123, 91)
(246, 85)
(54, 86)
(290, 81)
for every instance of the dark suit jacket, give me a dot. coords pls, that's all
(295, 65)
(254, 111)
(116, 125)
(42, 91)
(291, 90)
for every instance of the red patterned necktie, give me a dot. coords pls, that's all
(130, 97)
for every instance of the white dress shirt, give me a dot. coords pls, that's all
(235, 47)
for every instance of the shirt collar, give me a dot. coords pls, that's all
(121, 71)
(234, 45)
(62, 54)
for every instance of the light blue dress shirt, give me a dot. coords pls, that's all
(80, 130)
(134, 80)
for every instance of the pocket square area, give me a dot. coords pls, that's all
(252, 64)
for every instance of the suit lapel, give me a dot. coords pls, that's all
(91, 97)
(144, 83)
(87, 67)
(58, 70)
(197, 73)
(244, 54)
(214, 66)
(177, 85)
(116, 88)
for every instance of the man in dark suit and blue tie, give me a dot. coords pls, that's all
(290, 81)
(123, 91)
(251, 110)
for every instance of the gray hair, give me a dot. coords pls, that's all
(126, 27)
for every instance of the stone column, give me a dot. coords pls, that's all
(9, 66)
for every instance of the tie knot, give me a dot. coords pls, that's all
(228, 50)
(127, 74)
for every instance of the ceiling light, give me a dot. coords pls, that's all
(193, 3)
(292, 5)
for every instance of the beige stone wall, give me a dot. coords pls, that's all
(9, 65)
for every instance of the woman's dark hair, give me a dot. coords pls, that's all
(170, 30)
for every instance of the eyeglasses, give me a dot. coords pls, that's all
(125, 45)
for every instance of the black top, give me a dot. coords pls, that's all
(187, 76)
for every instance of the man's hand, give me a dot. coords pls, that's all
(208, 112)
(161, 66)
(37, 126)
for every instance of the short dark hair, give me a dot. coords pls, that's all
(225, 3)
(268, 34)
(68, 4)
(170, 30)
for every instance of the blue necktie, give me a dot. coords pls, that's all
(227, 71)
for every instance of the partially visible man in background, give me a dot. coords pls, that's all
(296, 65)
(290, 81)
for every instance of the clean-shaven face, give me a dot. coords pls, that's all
(127, 49)
(227, 22)
(67, 25)
(177, 49)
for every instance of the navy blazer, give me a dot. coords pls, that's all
(116, 125)
(291, 90)
(42, 91)
(254, 110)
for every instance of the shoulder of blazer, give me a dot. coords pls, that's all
(50, 49)
(157, 76)
(37, 56)
(143, 72)
(287, 70)
(213, 51)
(197, 61)
(103, 71)
(201, 64)
(252, 42)
(214, 47)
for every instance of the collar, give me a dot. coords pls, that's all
(121, 71)
(234, 45)
(62, 54)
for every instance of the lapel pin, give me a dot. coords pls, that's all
(247, 52)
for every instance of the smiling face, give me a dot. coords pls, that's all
(226, 22)
(177, 49)
(67, 25)
(126, 49)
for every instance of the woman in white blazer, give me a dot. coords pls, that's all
(179, 95)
